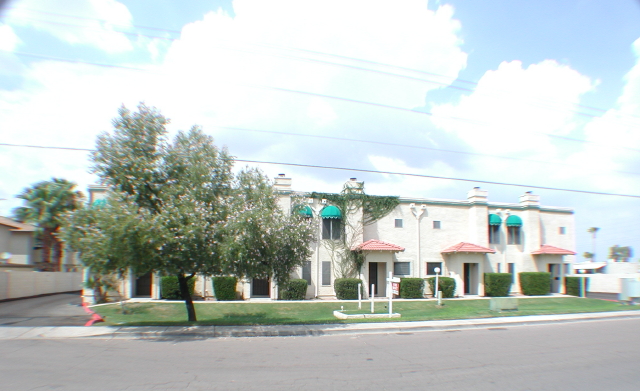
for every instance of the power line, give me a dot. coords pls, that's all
(448, 84)
(382, 172)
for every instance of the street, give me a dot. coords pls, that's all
(595, 355)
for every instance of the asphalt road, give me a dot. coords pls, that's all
(56, 310)
(595, 355)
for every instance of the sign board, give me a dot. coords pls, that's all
(395, 288)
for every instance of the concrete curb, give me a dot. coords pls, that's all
(208, 332)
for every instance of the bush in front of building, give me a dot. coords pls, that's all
(535, 283)
(295, 289)
(445, 284)
(574, 285)
(170, 289)
(346, 288)
(497, 284)
(225, 288)
(412, 288)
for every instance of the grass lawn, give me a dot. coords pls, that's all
(282, 312)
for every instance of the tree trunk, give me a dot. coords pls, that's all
(46, 248)
(183, 282)
(57, 253)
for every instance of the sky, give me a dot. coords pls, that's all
(542, 94)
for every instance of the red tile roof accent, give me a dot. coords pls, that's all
(377, 245)
(17, 226)
(464, 247)
(547, 249)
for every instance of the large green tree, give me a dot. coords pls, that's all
(176, 208)
(45, 205)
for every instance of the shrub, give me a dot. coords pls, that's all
(497, 284)
(412, 288)
(574, 285)
(535, 283)
(170, 289)
(295, 289)
(446, 284)
(225, 288)
(346, 288)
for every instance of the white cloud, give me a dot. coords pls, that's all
(8, 38)
(213, 73)
(99, 26)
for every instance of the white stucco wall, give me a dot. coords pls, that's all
(16, 284)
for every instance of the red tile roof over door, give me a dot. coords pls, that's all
(464, 247)
(378, 245)
(552, 250)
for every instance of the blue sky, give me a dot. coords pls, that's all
(541, 93)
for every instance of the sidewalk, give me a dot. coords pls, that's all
(206, 332)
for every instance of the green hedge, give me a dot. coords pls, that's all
(225, 288)
(170, 289)
(446, 284)
(412, 288)
(346, 288)
(497, 284)
(535, 283)
(295, 289)
(574, 285)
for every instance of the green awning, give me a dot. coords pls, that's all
(306, 211)
(495, 219)
(331, 212)
(514, 221)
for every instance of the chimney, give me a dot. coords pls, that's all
(530, 200)
(281, 183)
(477, 195)
(353, 186)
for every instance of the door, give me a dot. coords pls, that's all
(554, 269)
(470, 271)
(260, 287)
(143, 285)
(373, 277)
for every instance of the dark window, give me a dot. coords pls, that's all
(514, 235)
(499, 268)
(562, 230)
(436, 225)
(494, 234)
(512, 270)
(326, 273)
(431, 266)
(402, 268)
(306, 272)
(398, 223)
(331, 229)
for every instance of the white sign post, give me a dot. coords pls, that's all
(373, 293)
(359, 296)
(390, 281)
(437, 293)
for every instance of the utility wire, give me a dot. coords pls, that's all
(448, 83)
(381, 105)
(379, 172)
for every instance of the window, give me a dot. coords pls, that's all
(326, 273)
(436, 225)
(514, 235)
(398, 223)
(562, 230)
(331, 229)
(306, 272)
(499, 268)
(494, 234)
(431, 268)
(512, 270)
(402, 268)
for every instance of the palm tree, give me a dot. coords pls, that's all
(592, 231)
(46, 203)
